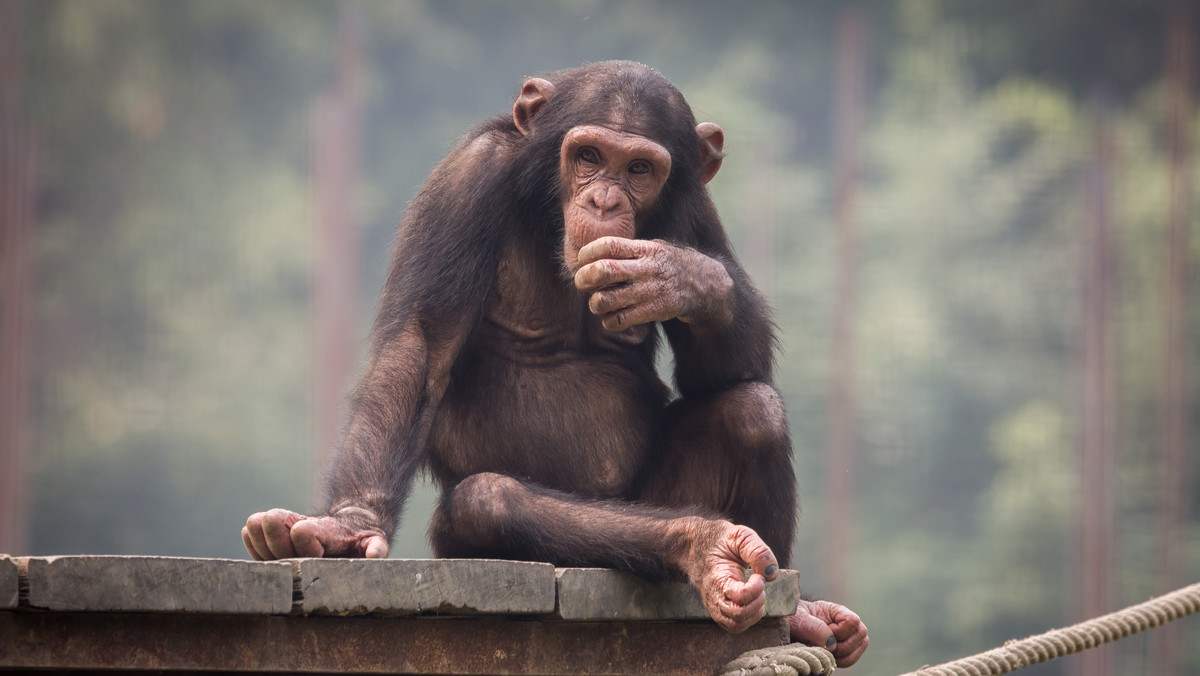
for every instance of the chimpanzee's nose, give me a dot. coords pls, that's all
(605, 198)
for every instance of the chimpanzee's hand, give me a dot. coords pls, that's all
(716, 568)
(283, 534)
(832, 626)
(639, 281)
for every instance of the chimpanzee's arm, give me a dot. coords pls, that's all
(717, 323)
(443, 268)
(390, 416)
(734, 343)
(438, 282)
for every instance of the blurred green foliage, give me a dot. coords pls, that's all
(173, 338)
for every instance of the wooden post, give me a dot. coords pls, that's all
(840, 480)
(336, 293)
(1097, 420)
(1173, 471)
(17, 176)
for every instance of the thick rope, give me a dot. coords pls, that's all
(1058, 642)
(793, 659)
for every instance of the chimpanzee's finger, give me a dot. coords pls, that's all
(313, 538)
(741, 615)
(258, 542)
(846, 623)
(376, 547)
(849, 660)
(745, 593)
(250, 544)
(755, 553)
(610, 299)
(277, 527)
(605, 272)
(811, 630)
(613, 247)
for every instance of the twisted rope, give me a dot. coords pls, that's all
(1058, 642)
(793, 659)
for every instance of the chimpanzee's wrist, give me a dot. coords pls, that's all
(361, 517)
(713, 306)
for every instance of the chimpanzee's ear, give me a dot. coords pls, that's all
(712, 143)
(534, 94)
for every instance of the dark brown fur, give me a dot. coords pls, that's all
(486, 360)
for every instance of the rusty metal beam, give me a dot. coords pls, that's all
(308, 644)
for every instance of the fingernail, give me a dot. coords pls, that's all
(771, 569)
(830, 643)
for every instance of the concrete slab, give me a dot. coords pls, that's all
(603, 594)
(9, 582)
(418, 586)
(159, 584)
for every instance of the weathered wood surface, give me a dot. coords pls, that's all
(605, 594)
(8, 582)
(415, 586)
(78, 613)
(158, 584)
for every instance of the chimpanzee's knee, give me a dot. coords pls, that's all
(732, 452)
(477, 508)
(757, 418)
(749, 420)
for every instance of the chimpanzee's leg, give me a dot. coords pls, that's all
(492, 515)
(731, 453)
(728, 456)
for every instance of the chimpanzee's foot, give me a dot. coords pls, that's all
(284, 534)
(723, 554)
(831, 625)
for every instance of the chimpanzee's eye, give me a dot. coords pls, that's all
(589, 155)
(639, 167)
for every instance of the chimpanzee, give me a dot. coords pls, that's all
(513, 357)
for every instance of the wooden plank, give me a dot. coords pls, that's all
(158, 583)
(415, 586)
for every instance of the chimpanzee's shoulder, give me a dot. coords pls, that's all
(496, 134)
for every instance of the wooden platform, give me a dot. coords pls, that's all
(84, 613)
